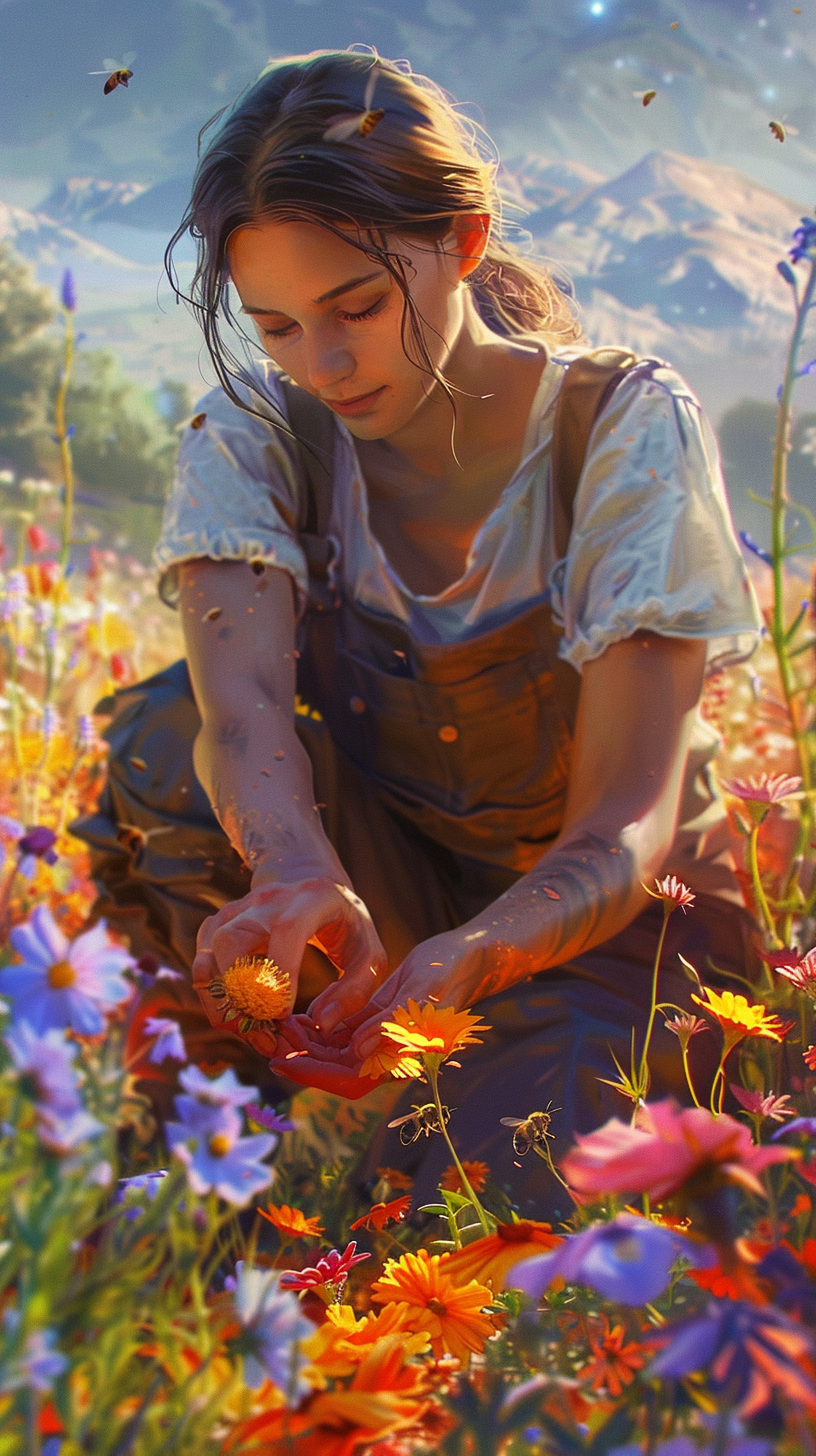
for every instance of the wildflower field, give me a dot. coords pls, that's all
(215, 1286)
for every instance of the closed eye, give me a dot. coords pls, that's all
(366, 313)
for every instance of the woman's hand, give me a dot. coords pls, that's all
(279, 920)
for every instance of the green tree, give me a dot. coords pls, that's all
(27, 359)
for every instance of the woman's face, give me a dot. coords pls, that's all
(331, 317)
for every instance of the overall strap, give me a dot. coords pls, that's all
(312, 424)
(586, 387)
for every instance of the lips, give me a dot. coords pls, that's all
(358, 404)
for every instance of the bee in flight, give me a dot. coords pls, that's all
(647, 97)
(117, 72)
(134, 838)
(419, 1120)
(363, 123)
(782, 129)
(531, 1132)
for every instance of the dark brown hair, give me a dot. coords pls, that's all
(423, 164)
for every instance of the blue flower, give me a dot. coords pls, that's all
(223, 1091)
(169, 1040)
(62, 1133)
(62, 983)
(628, 1260)
(146, 1184)
(804, 240)
(207, 1140)
(68, 297)
(46, 1067)
(750, 544)
(274, 1327)
(749, 1352)
(799, 1124)
(38, 1366)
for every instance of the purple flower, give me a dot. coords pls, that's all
(62, 983)
(799, 1124)
(223, 1091)
(68, 297)
(793, 1290)
(804, 240)
(38, 1366)
(750, 544)
(62, 1134)
(46, 1067)
(748, 1352)
(265, 1117)
(169, 1040)
(142, 1183)
(32, 844)
(207, 1139)
(273, 1330)
(628, 1260)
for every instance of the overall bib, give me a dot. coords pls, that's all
(441, 772)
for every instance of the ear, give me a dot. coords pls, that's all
(467, 241)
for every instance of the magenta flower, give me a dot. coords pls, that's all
(801, 972)
(333, 1269)
(207, 1139)
(668, 1145)
(169, 1040)
(62, 983)
(765, 789)
(761, 1105)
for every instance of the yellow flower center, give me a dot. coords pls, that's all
(437, 1307)
(257, 987)
(61, 975)
(219, 1145)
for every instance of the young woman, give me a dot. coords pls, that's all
(496, 733)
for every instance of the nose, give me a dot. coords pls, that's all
(326, 361)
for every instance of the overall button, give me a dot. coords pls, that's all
(357, 705)
(448, 733)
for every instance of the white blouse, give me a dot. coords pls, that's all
(652, 544)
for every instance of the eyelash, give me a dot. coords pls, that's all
(349, 318)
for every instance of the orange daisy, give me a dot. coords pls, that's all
(476, 1173)
(438, 1031)
(739, 1019)
(452, 1316)
(395, 1179)
(382, 1213)
(387, 1061)
(291, 1223)
(491, 1259)
(616, 1363)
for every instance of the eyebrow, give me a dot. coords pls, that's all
(324, 297)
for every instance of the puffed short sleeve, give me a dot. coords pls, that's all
(235, 492)
(652, 544)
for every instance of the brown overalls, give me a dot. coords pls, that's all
(442, 772)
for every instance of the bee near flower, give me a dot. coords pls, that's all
(421, 1119)
(254, 991)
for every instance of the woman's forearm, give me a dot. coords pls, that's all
(583, 891)
(259, 780)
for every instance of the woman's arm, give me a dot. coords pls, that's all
(239, 632)
(635, 714)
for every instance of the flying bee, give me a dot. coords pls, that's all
(117, 72)
(645, 96)
(363, 123)
(531, 1132)
(134, 838)
(419, 1120)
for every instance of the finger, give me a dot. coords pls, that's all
(351, 994)
(308, 1072)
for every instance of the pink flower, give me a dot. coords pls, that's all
(672, 892)
(801, 973)
(39, 540)
(333, 1269)
(668, 1146)
(760, 1105)
(765, 789)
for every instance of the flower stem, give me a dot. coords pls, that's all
(64, 441)
(759, 893)
(689, 1083)
(433, 1082)
(643, 1072)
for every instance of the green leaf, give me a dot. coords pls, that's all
(439, 1209)
(690, 972)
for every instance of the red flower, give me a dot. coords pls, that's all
(333, 1269)
(801, 972)
(809, 1058)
